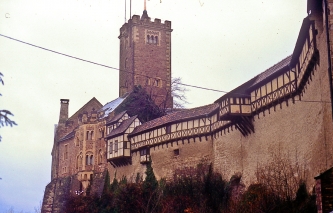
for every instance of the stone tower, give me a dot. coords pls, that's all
(145, 58)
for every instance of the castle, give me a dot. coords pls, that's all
(287, 109)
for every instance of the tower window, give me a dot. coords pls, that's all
(157, 82)
(151, 39)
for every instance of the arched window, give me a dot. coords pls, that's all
(87, 137)
(148, 39)
(85, 177)
(100, 156)
(156, 40)
(89, 158)
(79, 161)
(92, 135)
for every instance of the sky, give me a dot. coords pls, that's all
(215, 44)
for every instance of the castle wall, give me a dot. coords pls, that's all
(301, 132)
(191, 153)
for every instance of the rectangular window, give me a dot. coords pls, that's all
(111, 148)
(116, 146)
(168, 129)
(66, 151)
(176, 152)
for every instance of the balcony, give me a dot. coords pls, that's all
(233, 107)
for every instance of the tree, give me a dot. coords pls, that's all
(140, 103)
(178, 93)
(4, 114)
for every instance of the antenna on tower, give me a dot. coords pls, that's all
(145, 8)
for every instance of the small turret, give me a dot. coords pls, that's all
(63, 110)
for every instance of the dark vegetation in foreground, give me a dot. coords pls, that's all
(196, 190)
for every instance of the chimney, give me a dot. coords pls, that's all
(63, 110)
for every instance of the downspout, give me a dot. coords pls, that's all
(329, 56)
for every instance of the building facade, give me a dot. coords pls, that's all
(145, 57)
(285, 111)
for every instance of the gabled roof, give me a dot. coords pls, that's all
(92, 101)
(177, 117)
(68, 136)
(116, 117)
(122, 127)
(111, 106)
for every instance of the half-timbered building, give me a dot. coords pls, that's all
(284, 111)
(118, 145)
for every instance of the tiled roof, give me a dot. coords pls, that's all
(177, 116)
(68, 136)
(116, 117)
(122, 127)
(272, 72)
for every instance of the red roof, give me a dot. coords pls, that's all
(177, 117)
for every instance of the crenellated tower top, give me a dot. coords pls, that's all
(145, 57)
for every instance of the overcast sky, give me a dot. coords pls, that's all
(215, 44)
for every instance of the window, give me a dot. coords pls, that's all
(87, 135)
(100, 156)
(116, 146)
(111, 148)
(151, 39)
(91, 135)
(176, 152)
(157, 82)
(89, 159)
(144, 151)
(79, 161)
(148, 81)
(168, 129)
(66, 152)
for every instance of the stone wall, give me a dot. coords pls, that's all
(300, 131)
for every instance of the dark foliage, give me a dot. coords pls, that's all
(5, 114)
(140, 103)
(192, 190)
